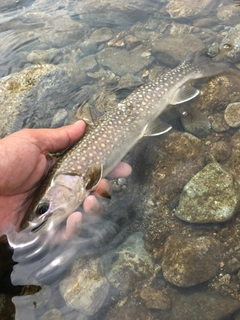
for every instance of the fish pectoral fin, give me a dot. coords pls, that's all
(183, 94)
(84, 113)
(93, 176)
(156, 128)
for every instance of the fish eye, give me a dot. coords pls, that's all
(42, 208)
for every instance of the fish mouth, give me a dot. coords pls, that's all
(34, 230)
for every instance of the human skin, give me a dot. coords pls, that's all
(23, 163)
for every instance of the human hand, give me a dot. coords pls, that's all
(23, 163)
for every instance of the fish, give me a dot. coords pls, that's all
(78, 172)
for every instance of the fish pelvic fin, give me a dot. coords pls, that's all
(156, 128)
(206, 66)
(183, 94)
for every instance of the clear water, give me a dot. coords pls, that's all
(106, 46)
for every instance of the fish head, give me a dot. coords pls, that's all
(65, 193)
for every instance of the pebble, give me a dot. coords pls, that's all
(88, 46)
(197, 123)
(102, 35)
(219, 124)
(212, 195)
(88, 63)
(232, 115)
(189, 261)
(43, 56)
(221, 150)
(59, 118)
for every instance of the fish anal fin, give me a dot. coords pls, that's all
(183, 94)
(93, 176)
(156, 128)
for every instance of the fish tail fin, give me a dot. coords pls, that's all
(204, 64)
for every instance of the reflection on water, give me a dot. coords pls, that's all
(167, 245)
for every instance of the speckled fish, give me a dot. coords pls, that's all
(82, 166)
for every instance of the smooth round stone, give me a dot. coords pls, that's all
(187, 262)
(232, 115)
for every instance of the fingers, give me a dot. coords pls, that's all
(104, 189)
(121, 170)
(73, 225)
(91, 204)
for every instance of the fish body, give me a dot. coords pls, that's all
(79, 170)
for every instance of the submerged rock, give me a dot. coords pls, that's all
(218, 123)
(186, 9)
(230, 47)
(31, 97)
(229, 14)
(11, 4)
(59, 118)
(43, 56)
(232, 115)
(203, 306)
(85, 289)
(101, 35)
(187, 262)
(165, 49)
(221, 150)
(197, 123)
(123, 61)
(212, 195)
(132, 264)
(155, 299)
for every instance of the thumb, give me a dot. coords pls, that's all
(52, 140)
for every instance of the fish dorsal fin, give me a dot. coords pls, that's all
(183, 94)
(93, 176)
(156, 128)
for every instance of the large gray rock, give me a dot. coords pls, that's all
(132, 264)
(212, 195)
(31, 97)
